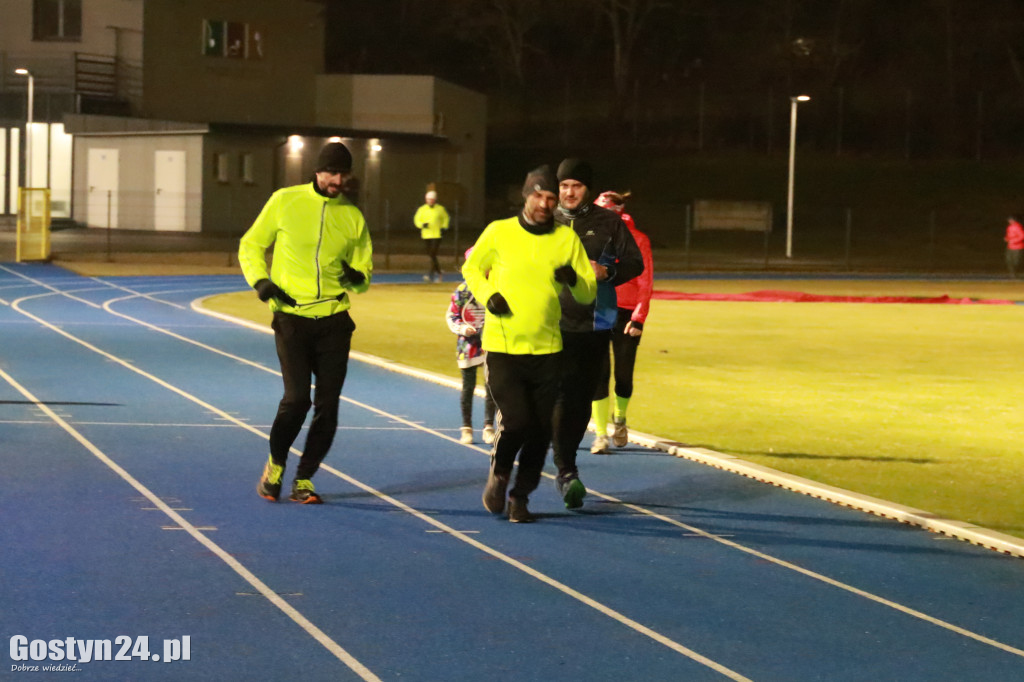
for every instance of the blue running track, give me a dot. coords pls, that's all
(132, 433)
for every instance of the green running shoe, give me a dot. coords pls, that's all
(571, 489)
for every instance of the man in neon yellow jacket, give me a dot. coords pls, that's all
(322, 251)
(518, 267)
(431, 219)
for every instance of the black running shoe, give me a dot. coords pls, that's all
(494, 492)
(517, 511)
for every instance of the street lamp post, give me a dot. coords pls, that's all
(28, 125)
(792, 159)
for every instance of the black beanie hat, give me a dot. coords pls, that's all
(574, 169)
(540, 180)
(335, 158)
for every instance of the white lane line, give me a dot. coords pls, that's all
(565, 589)
(53, 289)
(698, 532)
(137, 293)
(85, 422)
(547, 580)
(822, 578)
(197, 534)
(152, 296)
(202, 528)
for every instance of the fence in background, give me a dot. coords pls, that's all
(834, 238)
(953, 239)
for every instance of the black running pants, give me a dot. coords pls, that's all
(624, 349)
(433, 247)
(583, 354)
(307, 348)
(524, 388)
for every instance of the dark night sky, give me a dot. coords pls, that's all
(945, 68)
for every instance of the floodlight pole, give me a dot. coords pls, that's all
(28, 126)
(792, 162)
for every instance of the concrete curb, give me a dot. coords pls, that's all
(977, 535)
(960, 530)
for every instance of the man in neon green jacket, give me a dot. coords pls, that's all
(322, 252)
(518, 267)
(431, 219)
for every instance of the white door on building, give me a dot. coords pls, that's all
(169, 189)
(3, 170)
(14, 178)
(102, 195)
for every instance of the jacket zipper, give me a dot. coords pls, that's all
(319, 242)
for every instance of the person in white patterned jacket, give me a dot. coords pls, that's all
(466, 319)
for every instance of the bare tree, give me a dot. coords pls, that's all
(626, 19)
(501, 29)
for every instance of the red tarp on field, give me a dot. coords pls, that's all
(773, 296)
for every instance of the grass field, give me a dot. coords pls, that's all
(917, 404)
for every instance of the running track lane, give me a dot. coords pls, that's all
(677, 572)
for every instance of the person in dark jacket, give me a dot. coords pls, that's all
(586, 329)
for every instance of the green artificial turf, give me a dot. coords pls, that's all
(918, 404)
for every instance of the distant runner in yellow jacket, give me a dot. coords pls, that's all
(517, 268)
(322, 251)
(431, 220)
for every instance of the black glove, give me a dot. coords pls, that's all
(350, 276)
(565, 275)
(267, 290)
(498, 305)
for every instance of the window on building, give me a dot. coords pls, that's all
(231, 39)
(245, 169)
(220, 167)
(56, 19)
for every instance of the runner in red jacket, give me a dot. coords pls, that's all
(634, 302)
(1014, 244)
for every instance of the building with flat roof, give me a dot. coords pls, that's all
(218, 103)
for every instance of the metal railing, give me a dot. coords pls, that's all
(82, 74)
